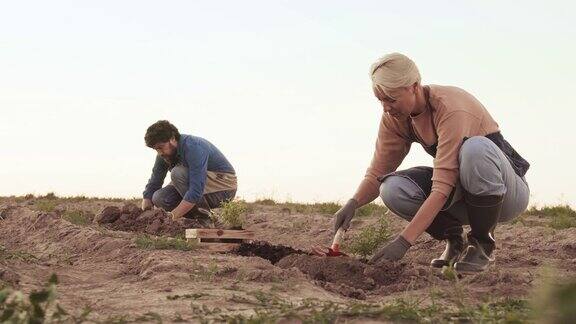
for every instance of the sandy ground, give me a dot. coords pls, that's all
(102, 268)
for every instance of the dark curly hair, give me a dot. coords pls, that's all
(160, 132)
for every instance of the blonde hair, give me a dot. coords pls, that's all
(394, 71)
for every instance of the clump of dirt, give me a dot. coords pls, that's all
(344, 270)
(265, 250)
(131, 218)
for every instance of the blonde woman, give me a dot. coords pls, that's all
(477, 177)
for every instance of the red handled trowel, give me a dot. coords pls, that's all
(334, 250)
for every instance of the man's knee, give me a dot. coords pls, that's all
(166, 198)
(179, 174)
(158, 199)
(480, 163)
(401, 195)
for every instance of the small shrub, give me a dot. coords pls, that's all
(368, 239)
(163, 243)
(232, 213)
(77, 217)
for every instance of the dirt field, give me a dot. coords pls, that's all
(103, 267)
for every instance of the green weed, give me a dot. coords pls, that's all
(231, 213)
(369, 238)
(77, 217)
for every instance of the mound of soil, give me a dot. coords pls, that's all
(265, 250)
(345, 270)
(131, 218)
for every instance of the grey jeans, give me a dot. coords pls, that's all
(171, 195)
(484, 170)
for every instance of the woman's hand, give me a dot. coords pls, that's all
(344, 215)
(393, 251)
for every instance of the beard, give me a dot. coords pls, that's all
(171, 159)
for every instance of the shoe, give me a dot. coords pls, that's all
(475, 258)
(483, 214)
(449, 228)
(452, 252)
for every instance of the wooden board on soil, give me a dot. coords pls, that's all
(218, 240)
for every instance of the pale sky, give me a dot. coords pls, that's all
(281, 87)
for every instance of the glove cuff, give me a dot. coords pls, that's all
(404, 242)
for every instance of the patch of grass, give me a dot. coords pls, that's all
(144, 241)
(371, 209)
(186, 296)
(326, 208)
(16, 255)
(265, 201)
(77, 217)
(201, 272)
(297, 207)
(398, 310)
(369, 238)
(77, 198)
(508, 310)
(231, 213)
(559, 217)
(46, 205)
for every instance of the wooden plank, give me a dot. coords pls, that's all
(218, 233)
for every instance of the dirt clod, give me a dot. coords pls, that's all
(132, 219)
(107, 215)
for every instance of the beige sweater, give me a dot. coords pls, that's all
(451, 115)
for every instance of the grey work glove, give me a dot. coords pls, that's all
(393, 251)
(344, 215)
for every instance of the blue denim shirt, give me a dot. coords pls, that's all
(199, 156)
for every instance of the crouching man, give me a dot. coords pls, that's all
(201, 176)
